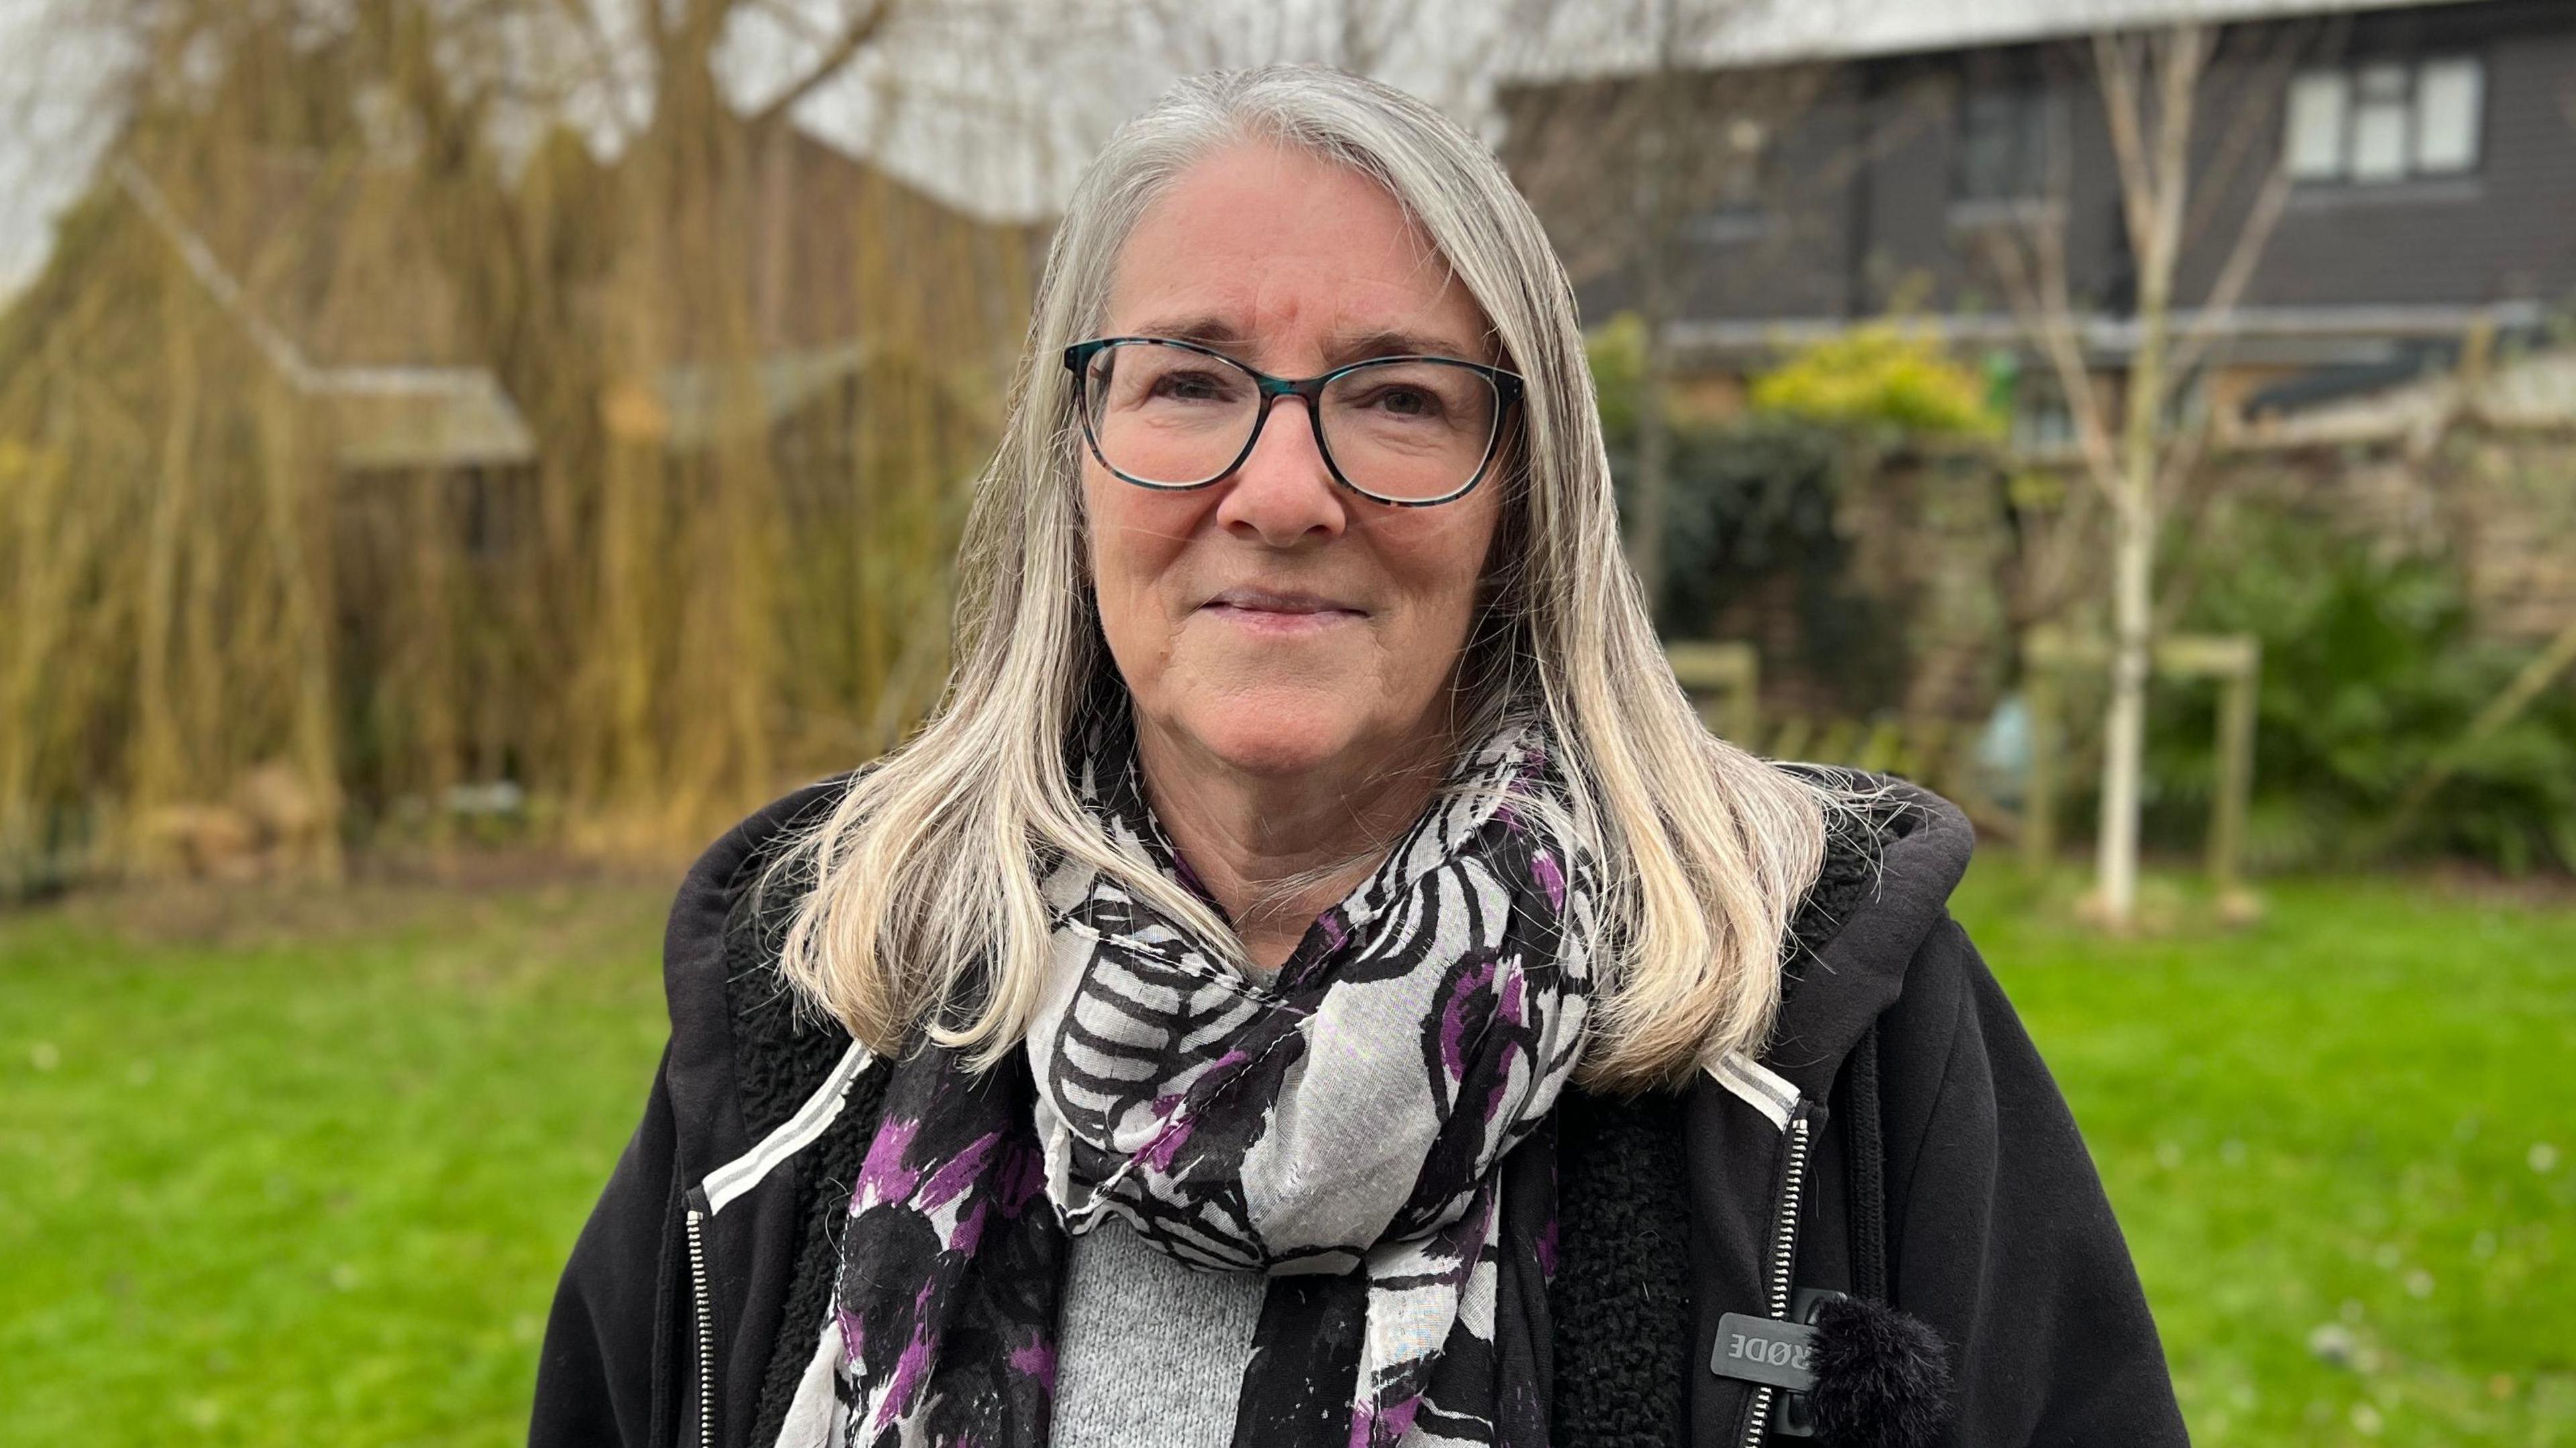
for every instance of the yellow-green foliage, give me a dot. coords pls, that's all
(1880, 374)
(1617, 352)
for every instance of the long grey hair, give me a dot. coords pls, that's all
(921, 905)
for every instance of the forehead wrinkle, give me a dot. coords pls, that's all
(1237, 309)
(1208, 329)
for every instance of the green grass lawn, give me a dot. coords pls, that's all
(2343, 1144)
(304, 1174)
(308, 1183)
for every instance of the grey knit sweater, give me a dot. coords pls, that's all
(1149, 1351)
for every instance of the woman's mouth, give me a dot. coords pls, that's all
(1265, 612)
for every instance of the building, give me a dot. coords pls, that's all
(1865, 158)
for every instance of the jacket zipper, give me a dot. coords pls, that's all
(705, 1319)
(1784, 1254)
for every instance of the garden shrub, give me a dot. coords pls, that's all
(1753, 499)
(1881, 376)
(2372, 671)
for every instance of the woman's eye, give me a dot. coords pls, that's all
(1406, 402)
(1190, 387)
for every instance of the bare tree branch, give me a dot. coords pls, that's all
(583, 18)
(2270, 76)
(789, 17)
(2181, 60)
(2042, 308)
(657, 26)
(2209, 324)
(2115, 66)
(863, 28)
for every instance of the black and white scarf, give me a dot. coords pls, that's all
(1348, 1129)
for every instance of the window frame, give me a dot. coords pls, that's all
(2036, 125)
(2348, 75)
(1745, 207)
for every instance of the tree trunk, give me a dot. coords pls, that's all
(2124, 731)
(1657, 203)
(2153, 197)
(1647, 525)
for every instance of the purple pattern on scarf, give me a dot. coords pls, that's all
(883, 1177)
(1167, 1144)
(1337, 930)
(1038, 1361)
(970, 1229)
(1550, 878)
(1375, 1427)
(1022, 1175)
(958, 1174)
(1464, 993)
(912, 1366)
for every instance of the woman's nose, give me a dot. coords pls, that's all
(1283, 494)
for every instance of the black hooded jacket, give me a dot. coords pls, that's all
(1897, 1169)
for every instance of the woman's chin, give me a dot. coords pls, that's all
(1278, 732)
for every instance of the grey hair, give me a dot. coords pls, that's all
(923, 904)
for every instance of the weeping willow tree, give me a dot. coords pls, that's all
(387, 421)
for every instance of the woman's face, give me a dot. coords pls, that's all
(1274, 621)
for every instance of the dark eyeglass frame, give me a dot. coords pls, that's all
(1509, 387)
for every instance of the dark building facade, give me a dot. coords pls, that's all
(2430, 152)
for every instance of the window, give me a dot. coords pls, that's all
(2447, 96)
(2385, 120)
(2003, 143)
(1739, 210)
(2042, 424)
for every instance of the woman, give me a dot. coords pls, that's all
(1314, 980)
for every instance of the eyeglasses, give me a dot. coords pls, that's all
(1411, 431)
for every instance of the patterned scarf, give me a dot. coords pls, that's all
(1347, 1129)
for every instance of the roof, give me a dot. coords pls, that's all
(1593, 41)
(689, 404)
(2534, 390)
(457, 417)
(447, 410)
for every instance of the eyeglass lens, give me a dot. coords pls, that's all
(1410, 431)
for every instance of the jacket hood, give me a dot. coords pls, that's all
(721, 1020)
(1884, 887)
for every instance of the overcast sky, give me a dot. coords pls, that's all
(998, 118)
(50, 130)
